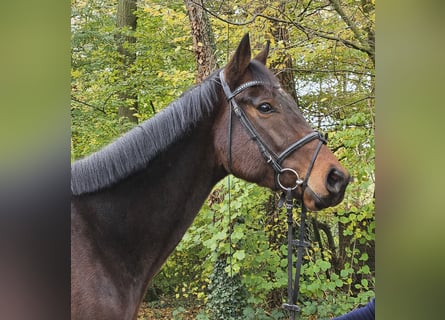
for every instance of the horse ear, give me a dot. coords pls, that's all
(262, 56)
(239, 61)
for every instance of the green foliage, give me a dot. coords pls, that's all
(163, 68)
(227, 296)
(328, 293)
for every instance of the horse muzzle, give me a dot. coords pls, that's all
(336, 182)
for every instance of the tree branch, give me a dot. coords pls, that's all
(358, 35)
(357, 101)
(254, 17)
(337, 109)
(308, 31)
(337, 7)
(305, 9)
(335, 149)
(88, 105)
(325, 35)
(370, 74)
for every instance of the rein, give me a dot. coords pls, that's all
(276, 162)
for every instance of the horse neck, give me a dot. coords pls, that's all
(139, 221)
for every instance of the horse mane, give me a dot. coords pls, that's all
(135, 149)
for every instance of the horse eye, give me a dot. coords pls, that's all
(265, 108)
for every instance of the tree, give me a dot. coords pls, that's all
(283, 65)
(365, 36)
(126, 22)
(203, 40)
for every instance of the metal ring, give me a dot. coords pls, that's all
(298, 181)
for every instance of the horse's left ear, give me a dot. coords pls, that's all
(236, 67)
(262, 56)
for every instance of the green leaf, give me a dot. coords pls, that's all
(239, 255)
(364, 257)
(364, 283)
(365, 270)
(324, 265)
(220, 235)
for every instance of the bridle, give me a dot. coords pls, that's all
(276, 160)
(271, 157)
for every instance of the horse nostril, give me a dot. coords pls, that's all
(336, 181)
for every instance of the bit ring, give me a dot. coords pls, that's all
(298, 181)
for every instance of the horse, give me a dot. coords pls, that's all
(133, 200)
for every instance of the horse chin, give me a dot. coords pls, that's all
(315, 202)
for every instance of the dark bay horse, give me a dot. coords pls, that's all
(133, 200)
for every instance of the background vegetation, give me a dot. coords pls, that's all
(232, 261)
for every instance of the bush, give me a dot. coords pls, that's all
(227, 295)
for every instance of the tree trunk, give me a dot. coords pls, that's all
(203, 40)
(126, 18)
(368, 8)
(283, 67)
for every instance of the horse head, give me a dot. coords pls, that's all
(261, 135)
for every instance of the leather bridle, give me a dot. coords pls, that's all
(276, 162)
(271, 157)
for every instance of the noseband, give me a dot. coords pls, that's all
(271, 157)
